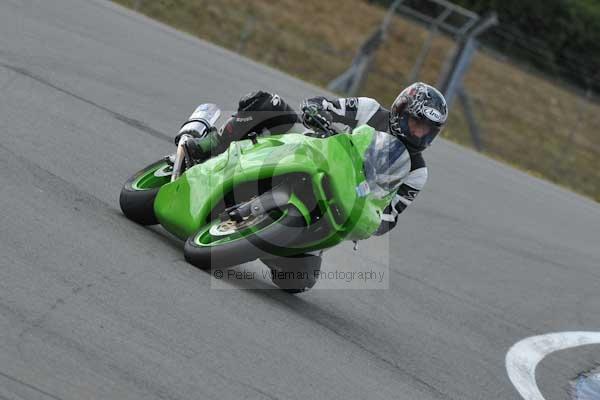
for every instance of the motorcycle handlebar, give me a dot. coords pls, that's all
(314, 117)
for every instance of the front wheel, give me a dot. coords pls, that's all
(222, 244)
(138, 192)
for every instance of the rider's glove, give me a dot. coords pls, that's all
(317, 102)
(314, 115)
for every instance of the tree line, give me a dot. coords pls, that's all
(560, 37)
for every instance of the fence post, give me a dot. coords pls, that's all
(451, 80)
(414, 74)
(467, 105)
(351, 81)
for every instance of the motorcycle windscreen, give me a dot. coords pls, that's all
(386, 163)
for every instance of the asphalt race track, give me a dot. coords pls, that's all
(93, 306)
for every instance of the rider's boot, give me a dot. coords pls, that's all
(295, 274)
(259, 111)
(256, 112)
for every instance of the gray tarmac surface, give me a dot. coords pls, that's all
(93, 306)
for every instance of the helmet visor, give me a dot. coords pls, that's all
(422, 131)
(421, 127)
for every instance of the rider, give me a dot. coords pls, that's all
(416, 117)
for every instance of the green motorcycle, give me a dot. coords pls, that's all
(269, 197)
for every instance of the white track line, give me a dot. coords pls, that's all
(524, 356)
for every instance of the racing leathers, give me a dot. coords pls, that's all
(262, 112)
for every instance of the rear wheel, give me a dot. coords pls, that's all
(222, 244)
(138, 192)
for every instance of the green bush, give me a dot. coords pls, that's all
(559, 37)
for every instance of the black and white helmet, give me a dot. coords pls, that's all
(429, 112)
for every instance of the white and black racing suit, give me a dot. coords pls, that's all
(356, 111)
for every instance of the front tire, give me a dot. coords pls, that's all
(218, 246)
(139, 191)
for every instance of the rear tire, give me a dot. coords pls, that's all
(137, 200)
(270, 236)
